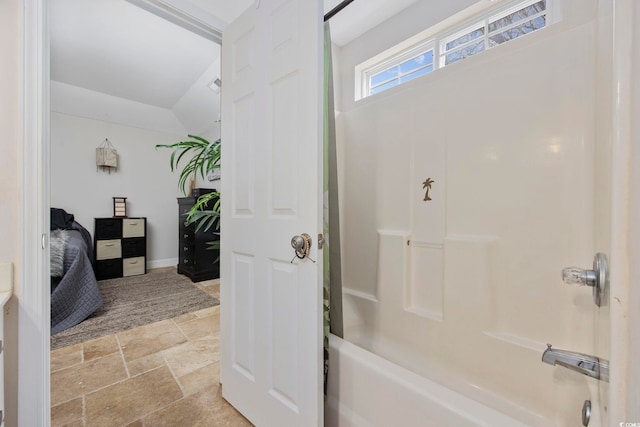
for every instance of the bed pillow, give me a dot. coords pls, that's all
(60, 219)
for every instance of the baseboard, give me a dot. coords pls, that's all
(161, 263)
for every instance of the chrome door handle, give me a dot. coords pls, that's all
(598, 278)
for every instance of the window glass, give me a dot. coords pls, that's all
(420, 72)
(385, 86)
(383, 76)
(520, 30)
(465, 52)
(465, 38)
(417, 62)
(518, 16)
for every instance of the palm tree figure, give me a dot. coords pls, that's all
(427, 185)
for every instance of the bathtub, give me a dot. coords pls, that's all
(367, 390)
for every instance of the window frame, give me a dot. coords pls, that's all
(483, 21)
(397, 61)
(437, 40)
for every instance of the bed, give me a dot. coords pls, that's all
(74, 290)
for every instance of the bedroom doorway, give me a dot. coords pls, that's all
(135, 89)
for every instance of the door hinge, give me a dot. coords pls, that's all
(320, 241)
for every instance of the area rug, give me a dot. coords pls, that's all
(135, 301)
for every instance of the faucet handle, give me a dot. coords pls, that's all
(578, 276)
(598, 278)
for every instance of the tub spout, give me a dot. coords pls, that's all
(587, 365)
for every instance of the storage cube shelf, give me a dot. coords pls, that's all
(120, 247)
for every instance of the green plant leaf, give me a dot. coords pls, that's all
(204, 157)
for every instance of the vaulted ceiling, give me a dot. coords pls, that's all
(114, 47)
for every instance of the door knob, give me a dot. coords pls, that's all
(298, 242)
(598, 278)
(301, 244)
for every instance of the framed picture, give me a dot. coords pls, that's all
(119, 207)
(214, 175)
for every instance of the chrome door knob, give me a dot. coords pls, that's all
(297, 243)
(301, 244)
(598, 278)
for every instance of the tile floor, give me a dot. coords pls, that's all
(162, 374)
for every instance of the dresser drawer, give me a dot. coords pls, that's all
(108, 249)
(133, 266)
(108, 269)
(133, 227)
(183, 210)
(133, 247)
(107, 228)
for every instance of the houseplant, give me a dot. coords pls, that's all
(203, 157)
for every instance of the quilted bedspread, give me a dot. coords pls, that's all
(76, 295)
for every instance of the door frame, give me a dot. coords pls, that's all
(33, 270)
(33, 280)
(624, 244)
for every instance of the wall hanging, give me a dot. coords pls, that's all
(106, 156)
(426, 185)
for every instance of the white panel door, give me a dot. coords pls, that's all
(271, 310)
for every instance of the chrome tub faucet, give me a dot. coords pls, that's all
(591, 366)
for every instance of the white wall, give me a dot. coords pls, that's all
(199, 108)
(509, 137)
(143, 174)
(10, 192)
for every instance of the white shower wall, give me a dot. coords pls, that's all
(469, 282)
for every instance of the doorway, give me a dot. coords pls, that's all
(136, 89)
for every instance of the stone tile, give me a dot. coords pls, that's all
(203, 409)
(209, 311)
(208, 283)
(128, 401)
(145, 364)
(149, 339)
(207, 376)
(192, 355)
(65, 413)
(201, 327)
(77, 423)
(136, 423)
(100, 347)
(212, 292)
(69, 383)
(215, 292)
(185, 317)
(212, 287)
(66, 356)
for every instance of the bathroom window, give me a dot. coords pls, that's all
(403, 69)
(521, 19)
(497, 25)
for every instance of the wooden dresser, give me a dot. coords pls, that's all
(120, 247)
(195, 259)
